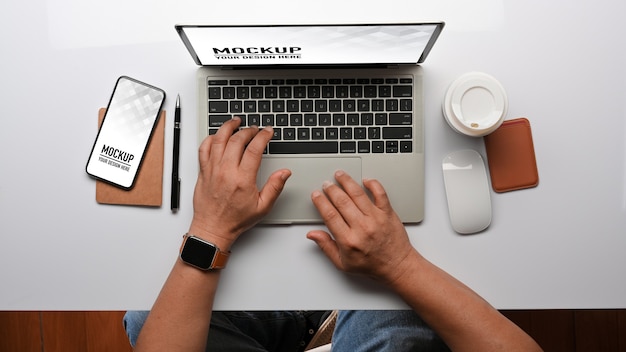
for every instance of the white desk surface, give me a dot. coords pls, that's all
(560, 245)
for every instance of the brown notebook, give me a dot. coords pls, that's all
(148, 189)
(511, 156)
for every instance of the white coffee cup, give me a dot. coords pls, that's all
(475, 104)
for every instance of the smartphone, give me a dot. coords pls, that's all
(126, 129)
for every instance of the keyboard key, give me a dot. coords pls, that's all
(406, 104)
(397, 132)
(341, 91)
(310, 119)
(363, 105)
(367, 119)
(293, 105)
(321, 105)
(353, 119)
(356, 91)
(391, 105)
(378, 105)
(363, 147)
(312, 147)
(332, 133)
(254, 120)
(299, 92)
(325, 119)
(249, 106)
(345, 133)
(271, 92)
(295, 120)
(284, 92)
(406, 146)
(400, 118)
(228, 93)
(317, 133)
(380, 119)
(373, 133)
(215, 93)
(391, 146)
(313, 92)
(267, 120)
(378, 147)
(360, 133)
(304, 133)
(349, 105)
(278, 106)
(289, 134)
(236, 106)
(306, 105)
(256, 93)
(402, 91)
(218, 106)
(282, 120)
(243, 92)
(264, 106)
(334, 105)
(370, 92)
(218, 120)
(339, 119)
(328, 92)
(348, 147)
(218, 82)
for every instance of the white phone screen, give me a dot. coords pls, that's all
(126, 129)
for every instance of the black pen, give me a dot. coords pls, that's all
(175, 179)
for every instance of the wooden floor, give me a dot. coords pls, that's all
(554, 330)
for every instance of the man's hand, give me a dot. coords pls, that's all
(226, 199)
(367, 235)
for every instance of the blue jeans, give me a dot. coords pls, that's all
(384, 330)
(289, 331)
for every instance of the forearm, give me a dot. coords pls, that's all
(464, 320)
(180, 317)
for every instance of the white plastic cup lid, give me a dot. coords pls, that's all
(475, 104)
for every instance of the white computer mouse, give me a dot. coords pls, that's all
(467, 191)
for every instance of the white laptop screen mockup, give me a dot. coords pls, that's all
(309, 45)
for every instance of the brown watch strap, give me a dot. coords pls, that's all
(219, 262)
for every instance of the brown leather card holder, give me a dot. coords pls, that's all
(511, 156)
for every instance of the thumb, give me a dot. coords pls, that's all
(327, 245)
(272, 188)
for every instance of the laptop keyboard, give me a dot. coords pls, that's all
(321, 115)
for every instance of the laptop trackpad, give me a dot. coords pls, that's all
(307, 174)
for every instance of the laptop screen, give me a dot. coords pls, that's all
(310, 44)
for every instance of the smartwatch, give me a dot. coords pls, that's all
(202, 254)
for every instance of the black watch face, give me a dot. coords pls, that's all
(198, 253)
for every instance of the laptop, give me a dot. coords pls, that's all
(343, 97)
